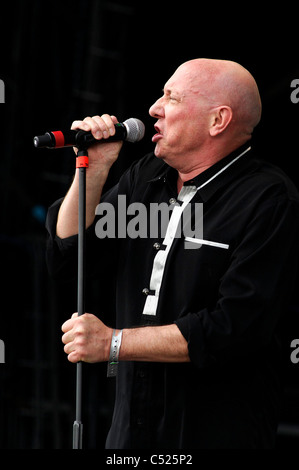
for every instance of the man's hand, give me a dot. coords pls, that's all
(101, 157)
(86, 339)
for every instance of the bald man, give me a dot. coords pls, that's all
(195, 343)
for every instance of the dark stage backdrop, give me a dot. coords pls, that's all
(64, 60)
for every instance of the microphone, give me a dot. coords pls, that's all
(131, 130)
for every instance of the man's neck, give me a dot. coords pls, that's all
(188, 173)
(182, 177)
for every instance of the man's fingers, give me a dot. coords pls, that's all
(86, 338)
(80, 125)
(67, 338)
(106, 125)
(68, 325)
(101, 127)
(73, 357)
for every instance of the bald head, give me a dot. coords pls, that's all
(223, 82)
(208, 109)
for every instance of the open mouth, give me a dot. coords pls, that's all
(158, 134)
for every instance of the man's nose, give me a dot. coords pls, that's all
(157, 109)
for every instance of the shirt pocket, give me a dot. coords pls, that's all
(209, 260)
(195, 243)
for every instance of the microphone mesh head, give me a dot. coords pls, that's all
(135, 129)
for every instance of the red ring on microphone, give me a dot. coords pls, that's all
(59, 138)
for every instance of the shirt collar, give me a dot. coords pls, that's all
(223, 172)
(214, 177)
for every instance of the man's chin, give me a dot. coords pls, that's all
(158, 153)
(162, 156)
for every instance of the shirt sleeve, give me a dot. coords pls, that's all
(253, 293)
(61, 254)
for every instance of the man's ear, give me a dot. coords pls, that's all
(221, 118)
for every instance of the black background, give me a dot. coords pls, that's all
(62, 61)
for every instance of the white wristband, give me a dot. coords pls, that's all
(114, 353)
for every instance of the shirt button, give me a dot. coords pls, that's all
(172, 200)
(145, 291)
(157, 246)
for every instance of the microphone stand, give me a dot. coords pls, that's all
(82, 164)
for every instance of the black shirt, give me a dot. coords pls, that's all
(228, 296)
